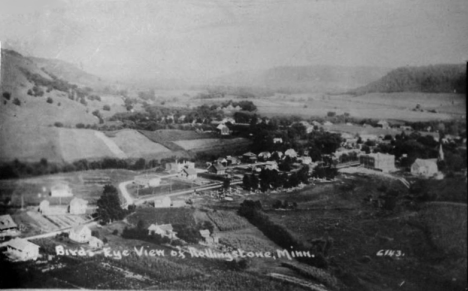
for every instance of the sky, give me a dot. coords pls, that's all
(202, 39)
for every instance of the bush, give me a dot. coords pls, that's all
(95, 233)
(80, 125)
(30, 92)
(106, 107)
(50, 100)
(6, 95)
(17, 102)
(58, 124)
(115, 232)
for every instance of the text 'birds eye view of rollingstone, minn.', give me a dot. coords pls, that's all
(289, 178)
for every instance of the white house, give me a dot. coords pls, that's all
(95, 243)
(21, 249)
(223, 129)
(378, 161)
(209, 239)
(164, 230)
(60, 190)
(425, 168)
(228, 119)
(162, 202)
(327, 123)
(80, 233)
(44, 206)
(78, 206)
(305, 160)
(272, 165)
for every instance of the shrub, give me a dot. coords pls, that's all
(6, 95)
(95, 233)
(331, 113)
(58, 124)
(80, 125)
(17, 102)
(30, 92)
(59, 104)
(115, 232)
(106, 107)
(50, 100)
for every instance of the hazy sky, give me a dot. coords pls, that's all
(203, 38)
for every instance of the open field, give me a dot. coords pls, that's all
(136, 145)
(201, 145)
(226, 220)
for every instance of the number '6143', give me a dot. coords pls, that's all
(390, 253)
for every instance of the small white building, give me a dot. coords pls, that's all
(95, 243)
(327, 123)
(147, 180)
(164, 202)
(46, 209)
(383, 124)
(305, 160)
(164, 230)
(21, 249)
(425, 168)
(80, 233)
(78, 206)
(223, 129)
(61, 190)
(189, 174)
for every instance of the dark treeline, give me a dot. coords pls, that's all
(429, 79)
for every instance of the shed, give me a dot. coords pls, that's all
(22, 249)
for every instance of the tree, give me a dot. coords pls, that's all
(109, 208)
(6, 95)
(106, 107)
(17, 102)
(50, 100)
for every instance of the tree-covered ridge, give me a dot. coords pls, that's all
(428, 79)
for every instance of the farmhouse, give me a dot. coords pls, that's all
(223, 129)
(80, 233)
(95, 243)
(316, 123)
(162, 202)
(217, 169)
(290, 153)
(21, 249)
(78, 206)
(164, 230)
(189, 174)
(60, 190)
(8, 226)
(228, 119)
(378, 161)
(327, 123)
(425, 168)
(147, 180)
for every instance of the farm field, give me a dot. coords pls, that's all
(227, 220)
(200, 145)
(136, 145)
(374, 106)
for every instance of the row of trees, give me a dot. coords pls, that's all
(270, 179)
